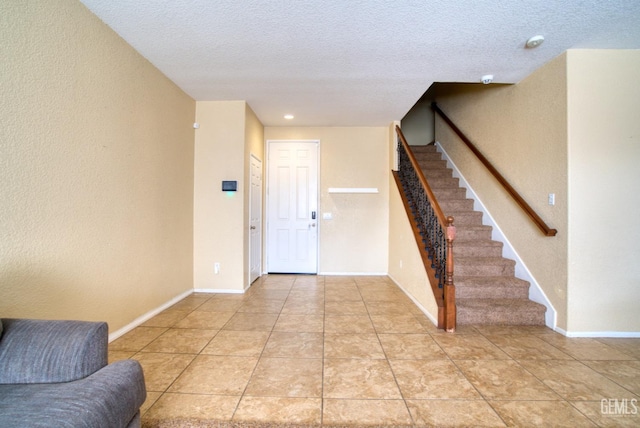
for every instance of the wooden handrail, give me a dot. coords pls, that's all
(514, 194)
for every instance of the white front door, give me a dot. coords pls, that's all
(255, 220)
(292, 207)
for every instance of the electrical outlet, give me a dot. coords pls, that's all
(216, 268)
(552, 198)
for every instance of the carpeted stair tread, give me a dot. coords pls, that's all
(487, 291)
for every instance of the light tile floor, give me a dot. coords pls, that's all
(356, 350)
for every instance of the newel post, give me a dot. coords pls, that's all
(449, 287)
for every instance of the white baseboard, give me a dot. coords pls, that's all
(521, 271)
(353, 273)
(146, 317)
(616, 334)
(413, 299)
(218, 291)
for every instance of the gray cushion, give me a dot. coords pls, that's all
(39, 351)
(108, 398)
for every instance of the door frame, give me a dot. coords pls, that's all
(268, 199)
(261, 215)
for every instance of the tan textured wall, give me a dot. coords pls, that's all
(96, 171)
(522, 130)
(405, 264)
(356, 240)
(604, 179)
(219, 220)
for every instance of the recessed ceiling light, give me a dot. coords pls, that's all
(288, 116)
(534, 42)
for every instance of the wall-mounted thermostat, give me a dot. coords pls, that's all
(229, 186)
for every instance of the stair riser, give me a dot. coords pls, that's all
(469, 218)
(465, 317)
(432, 164)
(483, 270)
(491, 292)
(436, 173)
(443, 182)
(456, 205)
(427, 157)
(424, 148)
(477, 251)
(468, 234)
(449, 194)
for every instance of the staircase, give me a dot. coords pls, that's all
(487, 291)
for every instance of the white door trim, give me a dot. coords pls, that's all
(259, 232)
(267, 198)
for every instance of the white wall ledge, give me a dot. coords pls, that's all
(353, 190)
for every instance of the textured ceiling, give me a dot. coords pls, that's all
(355, 62)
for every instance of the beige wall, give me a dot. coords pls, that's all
(356, 239)
(522, 130)
(604, 193)
(219, 219)
(418, 124)
(229, 133)
(96, 171)
(405, 264)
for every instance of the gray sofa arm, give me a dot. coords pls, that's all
(109, 398)
(39, 351)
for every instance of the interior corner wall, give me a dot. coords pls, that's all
(604, 154)
(254, 146)
(218, 217)
(96, 171)
(418, 124)
(522, 130)
(356, 240)
(405, 263)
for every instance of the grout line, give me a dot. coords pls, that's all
(485, 333)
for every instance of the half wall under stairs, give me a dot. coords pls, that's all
(487, 291)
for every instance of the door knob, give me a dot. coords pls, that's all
(253, 227)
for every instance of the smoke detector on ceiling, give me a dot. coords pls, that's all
(534, 42)
(487, 78)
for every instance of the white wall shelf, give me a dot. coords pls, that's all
(353, 190)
